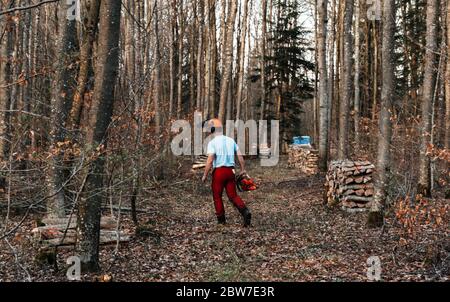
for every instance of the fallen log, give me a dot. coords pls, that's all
(106, 222)
(59, 232)
(106, 237)
(358, 198)
(198, 166)
(357, 187)
(199, 162)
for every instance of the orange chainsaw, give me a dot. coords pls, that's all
(245, 183)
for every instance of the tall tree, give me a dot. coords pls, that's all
(6, 53)
(89, 209)
(89, 11)
(323, 84)
(61, 103)
(180, 60)
(332, 59)
(208, 58)
(172, 53)
(447, 84)
(346, 88)
(222, 33)
(200, 52)
(263, 57)
(356, 100)
(213, 61)
(227, 52)
(157, 70)
(193, 36)
(385, 125)
(424, 184)
(240, 82)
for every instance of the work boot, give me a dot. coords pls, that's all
(245, 212)
(221, 219)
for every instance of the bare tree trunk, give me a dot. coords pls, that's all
(424, 185)
(213, 59)
(356, 104)
(323, 84)
(229, 108)
(192, 58)
(337, 84)
(89, 9)
(439, 127)
(15, 69)
(346, 81)
(157, 71)
(61, 104)
(447, 84)
(27, 89)
(208, 58)
(263, 58)
(6, 53)
(200, 61)
(316, 82)
(240, 83)
(375, 71)
(223, 29)
(331, 69)
(172, 47)
(228, 53)
(130, 34)
(375, 218)
(89, 209)
(180, 61)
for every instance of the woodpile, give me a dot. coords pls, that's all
(303, 158)
(199, 162)
(349, 184)
(60, 232)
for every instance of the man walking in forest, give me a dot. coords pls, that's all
(221, 152)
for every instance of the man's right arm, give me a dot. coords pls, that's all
(241, 160)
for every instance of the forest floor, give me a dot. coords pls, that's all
(294, 237)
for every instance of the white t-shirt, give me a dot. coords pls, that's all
(224, 148)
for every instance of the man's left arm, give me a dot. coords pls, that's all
(241, 160)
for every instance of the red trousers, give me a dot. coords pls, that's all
(223, 178)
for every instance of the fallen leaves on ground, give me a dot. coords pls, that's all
(294, 237)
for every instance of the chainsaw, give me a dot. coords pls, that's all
(245, 183)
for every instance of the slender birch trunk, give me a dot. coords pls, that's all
(323, 84)
(424, 184)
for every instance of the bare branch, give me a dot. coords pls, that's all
(21, 8)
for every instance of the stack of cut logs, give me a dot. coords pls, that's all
(349, 184)
(303, 158)
(264, 151)
(62, 232)
(199, 162)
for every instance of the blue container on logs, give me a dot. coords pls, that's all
(302, 140)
